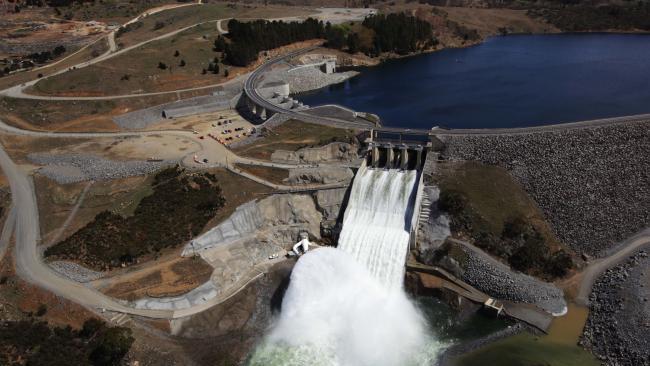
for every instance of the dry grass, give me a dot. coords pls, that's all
(19, 299)
(170, 278)
(293, 135)
(84, 55)
(488, 21)
(55, 202)
(493, 195)
(85, 116)
(137, 71)
(273, 175)
(237, 190)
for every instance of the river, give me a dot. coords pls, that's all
(509, 81)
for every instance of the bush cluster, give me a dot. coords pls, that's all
(399, 33)
(520, 243)
(34, 343)
(179, 208)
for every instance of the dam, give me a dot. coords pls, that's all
(346, 306)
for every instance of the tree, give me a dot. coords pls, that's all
(182, 63)
(530, 255)
(59, 50)
(111, 347)
(452, 202)
(220, 44)
(162, 66)
(203, 72)
(176, 53)
(559, 264)
(335, 37)
(42, 310)
(353, 43)
(215, 69)
(226, 73)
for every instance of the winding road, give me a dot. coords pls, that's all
(23, 217)
(620, 253)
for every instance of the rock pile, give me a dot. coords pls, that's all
(75, 271)
(320, 175)
(619, 318)
(310, 78)
(335, 151)
(72, 168)
(593, 184)
(496, 280)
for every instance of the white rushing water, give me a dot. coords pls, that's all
(377, 221)
(346, 306)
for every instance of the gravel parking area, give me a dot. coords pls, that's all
(619, 318)
(593, 184)
(72, 168)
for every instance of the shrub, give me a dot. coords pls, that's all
(42, 310)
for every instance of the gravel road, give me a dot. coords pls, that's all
(619, 318)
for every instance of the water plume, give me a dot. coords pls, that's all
(346, 306)
(336, 313)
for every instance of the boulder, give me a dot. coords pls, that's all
(320, 175)
(335, 151)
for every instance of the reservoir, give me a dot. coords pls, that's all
(508, 81)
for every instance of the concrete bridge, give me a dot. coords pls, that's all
(397, 148)
(264, 109)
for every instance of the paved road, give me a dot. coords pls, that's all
(598, 266)
(250, 89)
(541, 129)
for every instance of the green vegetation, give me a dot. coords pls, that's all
(293, 135)
(399, 33)
(179, 208)
(250, 38)
(488, 206)
(28, 342)
(527, 350)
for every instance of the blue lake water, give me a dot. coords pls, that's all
(511, 81)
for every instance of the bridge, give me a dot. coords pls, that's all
(264, 109)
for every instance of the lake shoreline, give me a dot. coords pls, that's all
(542, 81)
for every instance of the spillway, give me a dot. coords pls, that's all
(346, 306)
(377, 222)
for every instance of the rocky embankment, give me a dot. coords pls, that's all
(593, 184)
(618, 327)
(72, 168)
(320, 175)
(499, 281)
(333, 152)
(310, 78)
